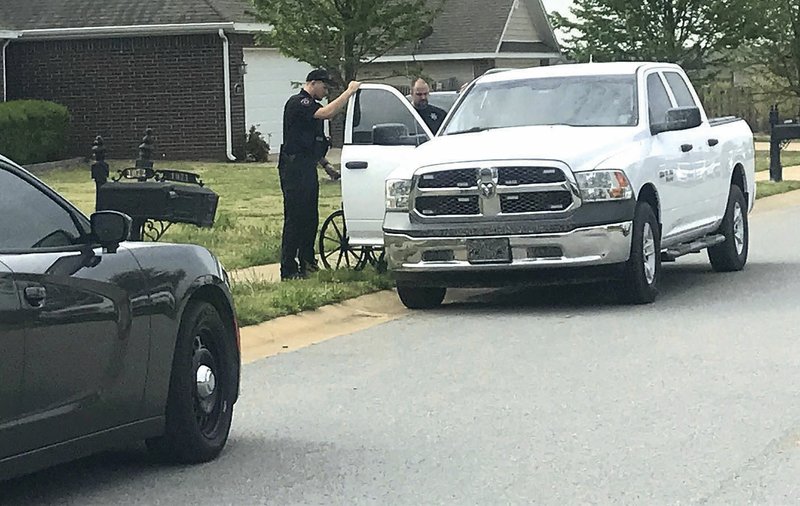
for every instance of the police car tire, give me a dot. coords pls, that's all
(186, 439)
(421, 297)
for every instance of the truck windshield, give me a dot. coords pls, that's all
(579, 101)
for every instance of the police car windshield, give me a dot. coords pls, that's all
(571, 100)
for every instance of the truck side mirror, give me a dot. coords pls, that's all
(395, 134)
(678, 118)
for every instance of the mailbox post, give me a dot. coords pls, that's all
(781, 133)
(99, 167)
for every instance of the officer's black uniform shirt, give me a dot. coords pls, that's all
(300, 127)
(432, 116)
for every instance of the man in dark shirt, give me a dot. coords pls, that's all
(430, 114)
(304, 144)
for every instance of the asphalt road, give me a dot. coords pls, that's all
(555, 396)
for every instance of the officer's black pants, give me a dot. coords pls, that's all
(300, 187)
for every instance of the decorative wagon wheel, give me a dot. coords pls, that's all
(334, 245)
(375, 257)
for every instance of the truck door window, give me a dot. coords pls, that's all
(657, 99)
(375, 107)
(679, 88)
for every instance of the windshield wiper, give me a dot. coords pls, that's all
(470, 130)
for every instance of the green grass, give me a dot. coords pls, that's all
(249, 217)
(788, 159)
(260, 301)
(769, 188)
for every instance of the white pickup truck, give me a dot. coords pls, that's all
(603, 169)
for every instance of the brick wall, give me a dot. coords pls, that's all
(118, 87)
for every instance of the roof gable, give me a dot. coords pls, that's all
(477, 26)
(519, 27)
(42, 14)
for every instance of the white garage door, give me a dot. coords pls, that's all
(267, 86)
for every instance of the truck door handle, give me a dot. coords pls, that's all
(35, 295)
(686, 147)
(713, 142)
(356, 165)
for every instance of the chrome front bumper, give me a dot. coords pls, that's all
(597, 245)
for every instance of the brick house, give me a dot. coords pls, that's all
(190, 69)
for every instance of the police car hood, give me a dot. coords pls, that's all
(581, 148)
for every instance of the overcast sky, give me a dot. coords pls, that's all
(560, 6)
(557, 5)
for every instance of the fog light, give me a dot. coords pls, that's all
(545, 252)
(438, 255)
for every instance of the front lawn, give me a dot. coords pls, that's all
(249, 217)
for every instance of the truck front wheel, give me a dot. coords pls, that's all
(643, 268)
(420, 297)
(731, 255)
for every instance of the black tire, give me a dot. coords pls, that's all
(197, 426)
(731, 255)
(421, 297)
(643, 268)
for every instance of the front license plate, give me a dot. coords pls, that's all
(488, 251)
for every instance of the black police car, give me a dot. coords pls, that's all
(103, 341)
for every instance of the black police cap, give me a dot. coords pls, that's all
(319, 75)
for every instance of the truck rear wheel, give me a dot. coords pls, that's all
(731, 255)
(421, 297)
(643, 268)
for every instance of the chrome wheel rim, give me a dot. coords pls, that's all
(738, 228)
(649, 253)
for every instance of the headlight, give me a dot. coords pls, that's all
(397, 193)
(603, 185)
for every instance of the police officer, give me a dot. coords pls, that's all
(304, 144)
(430, 114)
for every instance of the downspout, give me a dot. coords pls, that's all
(226, 59)
(5, 92)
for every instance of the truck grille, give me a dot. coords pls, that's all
(447, 205)
(458, 178)
(492, 191)
(535, 202)
(512, 176)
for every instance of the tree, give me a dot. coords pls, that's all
(778, 45)
(344, 35)
(688, 32)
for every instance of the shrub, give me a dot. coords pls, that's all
(257, 147)
(33, 131)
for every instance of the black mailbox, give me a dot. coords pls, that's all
(159, 195)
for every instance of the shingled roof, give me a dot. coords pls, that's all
(477, 26)
(42, 14)
(463, 27)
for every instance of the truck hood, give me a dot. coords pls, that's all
(581, 148)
